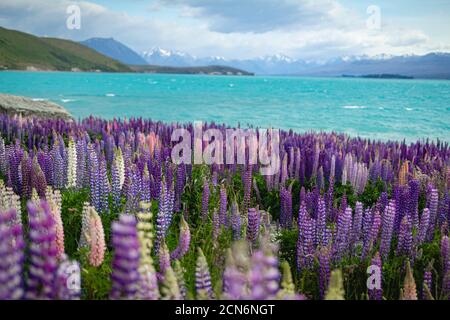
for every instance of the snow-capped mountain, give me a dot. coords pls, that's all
(274, 64)
(432, 65)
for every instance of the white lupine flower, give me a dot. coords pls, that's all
(72, 164)
(120, 166)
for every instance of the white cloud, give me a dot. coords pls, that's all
(298, 28)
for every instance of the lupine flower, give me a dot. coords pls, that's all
(387, 229)
(357, 222)
(164, 260)
(97, 239)
(287, 291)
(170, 289)
(321, 222)
(336, 288)
(404, 245)
(247, 188)
(305, 243)
(427, 282)
(234, 278)
(71, 164)
(54, 202)
(264, 276)
(179, 274)
(235, 221)
(183, 241)
(423, 226)
(343, 235)
(433, 206)
(286, 208)
(11, 251)
(38, 181)
(125, 274)
(324, 270)
(148, 282)
(409, 286)
(43, 252)
(253, 221)
(203, 285)
(116, 188)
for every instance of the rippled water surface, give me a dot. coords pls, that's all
(371, 108)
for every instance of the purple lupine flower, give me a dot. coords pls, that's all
(115, 184)
(264, 276)
(234, 279)
(387, 229)
(223, 206)
(25, 170)
(43, 252)
(125, 274)
(183, 241)
(372, 234)
(343, 235)
(205, 200)
(58, 167)
(428, 281)
(305, 243)
(423, 226)
(324, 270)
(433, 206)
(376, 293)
(247, 188)
(94, 178)
(286, 208)
(321, 223)
(146, 193)
(103, 185)
(357, 222)
(413, 202)
(253, 221)
(404, 245)
(12, 257)
(235, 221)
(203, 285)
(161, 216)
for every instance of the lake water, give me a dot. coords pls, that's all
(371, 108)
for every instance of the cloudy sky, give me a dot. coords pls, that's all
(308, 29)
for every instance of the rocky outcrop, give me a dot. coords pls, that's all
(11, 105)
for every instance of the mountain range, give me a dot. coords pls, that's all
(19, 50)
(433, 65)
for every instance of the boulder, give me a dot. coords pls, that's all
(11, 105)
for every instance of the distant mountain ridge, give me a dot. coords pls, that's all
(23, 51)
(114, 49)
(432, 65)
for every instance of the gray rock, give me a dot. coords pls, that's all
(11, 105)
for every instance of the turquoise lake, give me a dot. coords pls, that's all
(370, 108)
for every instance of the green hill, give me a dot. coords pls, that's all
(21, 51)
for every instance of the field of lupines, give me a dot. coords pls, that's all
(101, 201)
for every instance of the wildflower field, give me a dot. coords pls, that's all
(96, 209)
